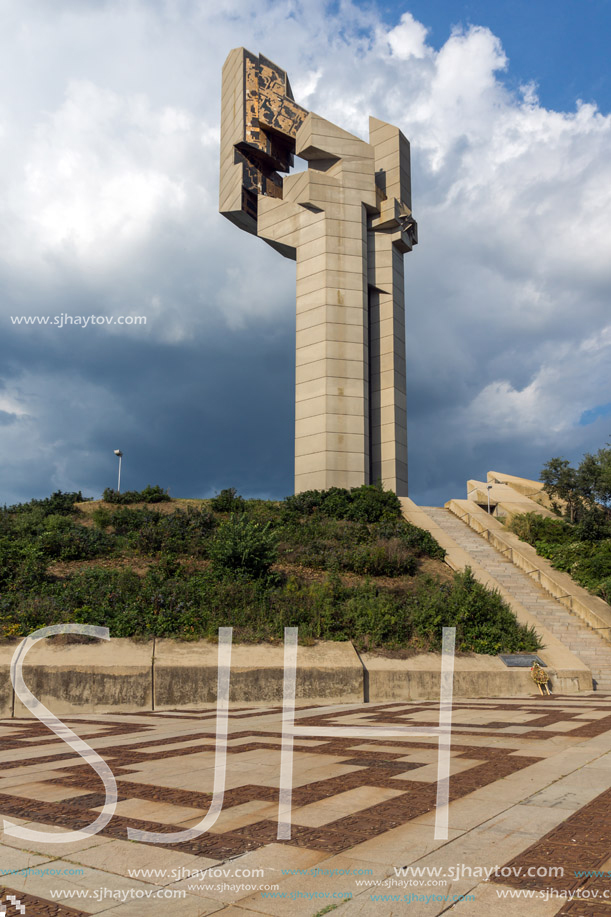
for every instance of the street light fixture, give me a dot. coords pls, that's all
(119, 455)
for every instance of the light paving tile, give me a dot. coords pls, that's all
(125, 858)
(187, 906)
(45, 792)
(489, 899)
(331, 882)
(51, 847)
(13, 860)
(401, 845)
(269, 862)
(154, 811)
(326, 810)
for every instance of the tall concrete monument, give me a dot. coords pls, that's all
(347, 221)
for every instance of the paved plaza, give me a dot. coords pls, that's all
(530, 809)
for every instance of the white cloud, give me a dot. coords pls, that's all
(408, 38)
(97, 176)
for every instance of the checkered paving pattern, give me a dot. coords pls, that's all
(346, 791)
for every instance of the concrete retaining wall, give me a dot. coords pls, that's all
(128, 676)
(474, 676)
(185, 674)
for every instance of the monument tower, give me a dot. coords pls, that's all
(347, 222)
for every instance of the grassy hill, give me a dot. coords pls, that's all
(340, 565)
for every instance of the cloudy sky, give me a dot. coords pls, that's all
(109, 127)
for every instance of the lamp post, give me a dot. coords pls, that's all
(119, 455)
(489, 488)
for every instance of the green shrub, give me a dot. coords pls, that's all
(58, 504)
(180, 597)
(387, 548)
(150, 494)
(182, 532)
(582, 550)
(63, 539)
(148, 531)
(373, 619)
(368, 503)
(371, 503)
(419, 541)
(228, 501)
(129, 519)
(243, 546)
(594, 525)
(381, 558)
(170, 600)
(22, 565)
(336, 503)
(604, 590)
(484, 622)
(532, 527)
(102, 516)
(304, 503)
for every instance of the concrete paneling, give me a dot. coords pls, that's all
(89, 677)
(344, 221)
(6, 689)
(186, 674)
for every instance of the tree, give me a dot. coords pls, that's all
(584, 489)
(595, 476)
(561, 480)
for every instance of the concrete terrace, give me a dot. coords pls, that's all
(529, 789)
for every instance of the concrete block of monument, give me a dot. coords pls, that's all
(347, 222)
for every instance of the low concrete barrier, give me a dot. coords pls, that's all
(185, 674)
(130, 676)
(504, 499)
(419, 677)
(92, 677)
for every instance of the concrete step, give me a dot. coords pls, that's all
(574, 633)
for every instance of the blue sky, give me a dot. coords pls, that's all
(563, 47)
(109, 139)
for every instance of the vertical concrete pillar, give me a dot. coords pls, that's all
(347, 222)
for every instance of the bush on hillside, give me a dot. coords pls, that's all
(22, 566)
(243, 546)
(172, 601)
(58, 504)
(368, 503)
(484, 622)
(228, 501)
(176, 593)
(532, 527)
(63, 539)
(150, 494)
(582, 550)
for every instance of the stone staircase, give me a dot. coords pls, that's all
(574, 633)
